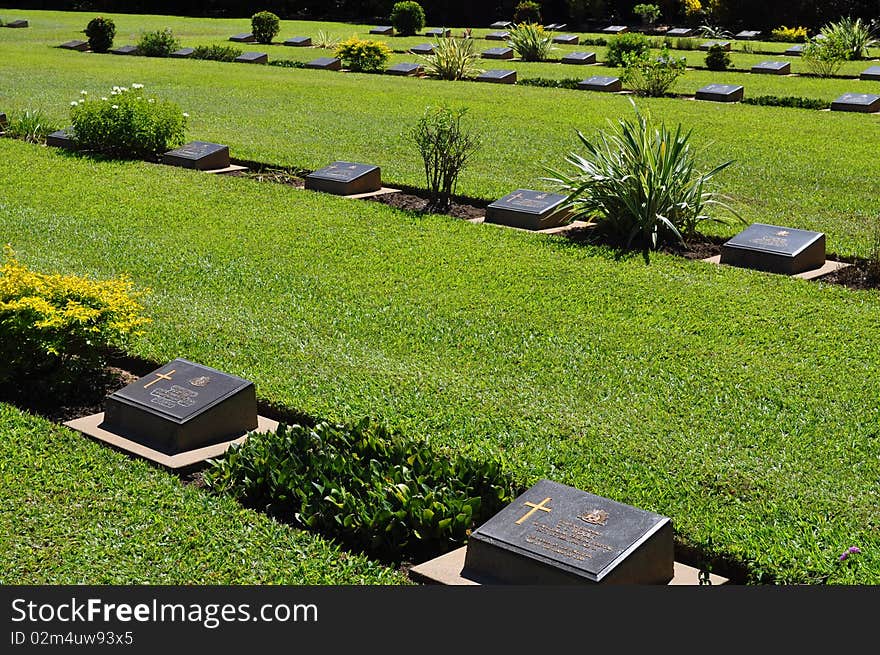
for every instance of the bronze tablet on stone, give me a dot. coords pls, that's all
(201, 155)
(345, 178)
(775, 249)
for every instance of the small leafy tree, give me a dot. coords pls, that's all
(407, 18)
(649, 13)
(363, 55)
(527, 12)
(652, 76)
(717, 58)
(265, 26)
(100, 33)
(445, 146)
(627, 43)
(824, 57)
(159, 43)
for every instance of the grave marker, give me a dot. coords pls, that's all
(247, 37)
(405, 68)
(721, 93)
(62, 139)
(19, 23)
(579, 58)
(872, 73)
(252, 58)
(200, 155)
(724, 44)
(125, 50)
(866, 103)
(615, 29)
(497, 53)
(528, 210)
(772, 67)
(325, 63)
(422, 49)
(439, 33)
(384, 30)
(497, 76)
(501, 25)
(299, 41)
(498, 36)
(775, 249)
(748, 35)
(601, 83)
(4, 122)
(795, 50)
(555, 27)
(681, 32)
(76, 44)
(556, 534)
(345, 178)
(183, 53)
(567, 39)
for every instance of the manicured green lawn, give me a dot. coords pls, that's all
(742, 405)
(75, 512)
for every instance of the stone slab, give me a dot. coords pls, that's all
(775, 249)
(447, 570)
(325, 63)
(557, 534)
(772, 68)
(529, 210)
(866, 103)
(724, 44)
(795, 50)
(601, 83)
(579, 58)
(567, 39)
(4, 122)
(183, 53)
(830, 266)
(439, 33)
(497, 53)
(61, 139)
(497, 76)
(383, 30)
(681, 32)
(345, 178)
(76, 44)
(498, 36)
(872, 73)
(720, 93)
(125, 50)
(501, 25)
(200, 155)
(252, 58)
(747, 35)
(91, 426)
(422, 49)
(299, 41)
(18, 23)
(615, 29)
(246, 37)
(405, 68)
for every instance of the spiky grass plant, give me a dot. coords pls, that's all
(31, 126)
(853, 36)
(326, 40)
(531, 42)
(639, 183)
(452, 59)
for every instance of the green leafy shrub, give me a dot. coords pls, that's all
(453, 59)
(639, 183)
(363, 55)
(31, 126)
(628, 43)
(531, 42)
(850, 36)
(717, 58)
(364, 485)
(265, 26)
(56, 328)
(158, 43)
(527, 12)
(787, 101)
(100, 33)
(550, 83)
(824, 57)
(127, 124)
(649, 13)
(216, 52)
(287, 63)
(648, 75)
(407, 18)
(445, 146)
(789, 34)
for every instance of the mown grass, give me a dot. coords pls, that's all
(75, 512)
(742, 405)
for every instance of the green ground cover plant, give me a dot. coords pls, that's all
(738, 403)
(158, 43)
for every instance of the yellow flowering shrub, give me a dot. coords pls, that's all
(691, 7)
(789, 34)
(54, 327)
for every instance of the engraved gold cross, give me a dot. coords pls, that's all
(535, 508)
(160, 376)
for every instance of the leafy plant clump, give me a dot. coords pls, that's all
(531, 42)
(407, 18)
(787, 101)
(639, 184)
(789, 34)
(550, 83)
(31, 126)
(363, 55)
(649, 13)
(127, 123)
(445, 146)
(717, 58)
(325, 40)
(364, 485)
(824, 57)
(265, 26)
(629, 43)
(652, 76)
(55, 328)
(527, 11)
(850, 36)
(216, 52)
(100, 33)
(452, 59)
(158, 43)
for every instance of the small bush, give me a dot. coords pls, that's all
(527, 12)
(445, 146)
(789, 34)
(363, 55)
(639, 183)
(550, 83)
(159, 43)
(649, 13)
(787, 101)
(127, 124)
(652, 76)
(31, 126)
(100, 33)
(216, 52)
(531, 42)
(824, 57)
(265, 26)
(364, 485)
(287, 63)
(407, 18)
(55, 329)
(717, 58)
(453, 59)
(629, 43)
(851, 37)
